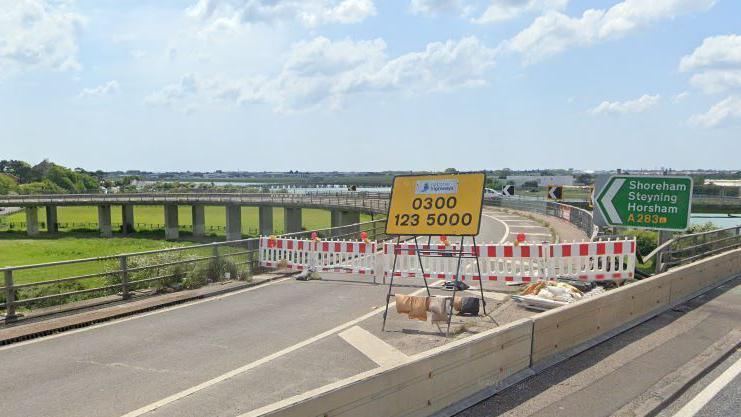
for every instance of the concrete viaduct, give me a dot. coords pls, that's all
(345, 209)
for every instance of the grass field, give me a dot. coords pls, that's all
(16, 249)
(153, 217)
(15, 252)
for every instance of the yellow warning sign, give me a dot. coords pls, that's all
(447, 204)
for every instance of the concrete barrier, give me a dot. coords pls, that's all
(431, 382)
(561, 333)
(448, 379)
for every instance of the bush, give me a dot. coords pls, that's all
(53, 289)
(197, 277)
(174, 274)
(646, 240)
(700, 228)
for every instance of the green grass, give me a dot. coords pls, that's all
(154, 216)
(34, 251)
(14, 252)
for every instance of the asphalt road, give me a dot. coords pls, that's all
(620, 376)
(218, 357)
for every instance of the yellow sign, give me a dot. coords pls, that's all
(448, 204)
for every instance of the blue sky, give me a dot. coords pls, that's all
(371, 84)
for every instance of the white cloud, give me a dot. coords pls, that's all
(501, 10)
(717, 63)
(434, 7)
(638, 105)
(37, 34)
(106, 89)
(310, 13)
(554, 32)
(720, 113)
(323, 72)
(490, 11)
(714, 51)
(681, 96)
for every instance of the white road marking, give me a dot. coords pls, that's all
(141, 315)
(527, 226)
(696, 404)
(506, 227)
(374, 348)
(531, 234)
(182, 394)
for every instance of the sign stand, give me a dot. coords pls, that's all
(460, 253)
(436, 205)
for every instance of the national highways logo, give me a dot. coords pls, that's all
(437, 187)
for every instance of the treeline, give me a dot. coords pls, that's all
(20, 177)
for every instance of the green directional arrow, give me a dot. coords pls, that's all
(659, 203)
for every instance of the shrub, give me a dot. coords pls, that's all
(699, 228)
(646, 240)
(197, 277)
(53, 289)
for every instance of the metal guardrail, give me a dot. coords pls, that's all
(684, 249)
(580, 218)
(55, 283)
(374, 202)
(689, 248)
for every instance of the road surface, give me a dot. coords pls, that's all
(635, 370)
(221, 356)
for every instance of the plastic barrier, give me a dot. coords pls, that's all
(507, 263)
(299, 254)
(588, 261)
(593, 261)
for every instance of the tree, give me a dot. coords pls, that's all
(19, 169)
(7, 184)
(530, 184)
(451, 171)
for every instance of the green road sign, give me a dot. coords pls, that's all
(660, 203)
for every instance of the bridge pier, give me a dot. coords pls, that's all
(344, 218)
(266, 220)
(52, 222)
(233, 222)
(199, 220)
(292, 219)
(104, 220)
(171, 222)
(32, 221)
(127, 218)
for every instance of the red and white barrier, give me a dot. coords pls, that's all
(507, 263)
(594, 261)
(299, 254)
(589, 261)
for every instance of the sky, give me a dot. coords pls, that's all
(371, 85)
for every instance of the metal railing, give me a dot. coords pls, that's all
(580, 218)
(374, 202)
(119, 276)
(683, 249)
(689, 248)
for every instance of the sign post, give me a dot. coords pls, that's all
(646, 202)
(442, 205)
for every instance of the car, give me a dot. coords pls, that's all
(489, 193)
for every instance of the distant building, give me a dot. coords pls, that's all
(542, 180)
